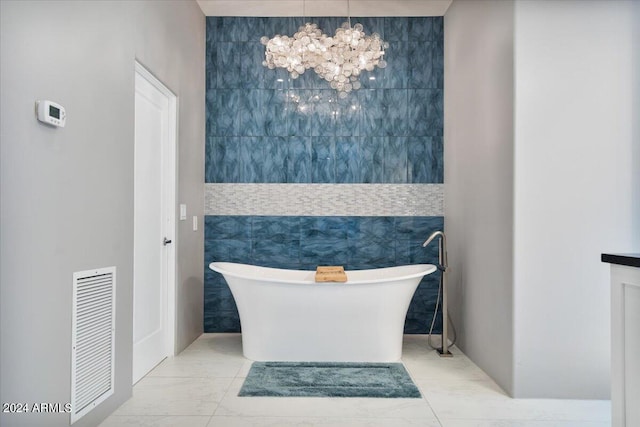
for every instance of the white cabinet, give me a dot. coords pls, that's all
(625, 340)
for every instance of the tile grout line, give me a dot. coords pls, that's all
(423, 394)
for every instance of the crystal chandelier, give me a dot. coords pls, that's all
(339, 59)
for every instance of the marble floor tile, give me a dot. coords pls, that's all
(199, 387)
(175, 396)
(484, 400)
(155, 421)
(186, 366)
(431, 366)
(224, 421)
(244, 371)
(216, 345)
(520, 423)
(233, 405)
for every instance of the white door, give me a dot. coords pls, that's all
(154, 223)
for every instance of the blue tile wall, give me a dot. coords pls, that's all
(301, 242)
(262, 126)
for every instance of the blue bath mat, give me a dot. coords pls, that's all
(328, 379)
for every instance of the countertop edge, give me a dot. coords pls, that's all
(630, 260)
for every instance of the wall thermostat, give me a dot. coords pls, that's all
(51, 113)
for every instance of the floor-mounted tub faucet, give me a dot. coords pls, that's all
(442, 245)
(443, 264)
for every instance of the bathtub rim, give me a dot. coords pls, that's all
(218, 266)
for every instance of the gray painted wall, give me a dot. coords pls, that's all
(478, 154)
(576, 188)
(67, 194)
(542, 176)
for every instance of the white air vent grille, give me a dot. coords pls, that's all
(93, 334)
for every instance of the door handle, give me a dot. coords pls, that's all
(166, 241)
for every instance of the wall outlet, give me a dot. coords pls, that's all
(195, 223)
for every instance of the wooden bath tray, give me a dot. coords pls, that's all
(330, 273)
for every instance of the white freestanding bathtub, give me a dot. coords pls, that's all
(286, 316)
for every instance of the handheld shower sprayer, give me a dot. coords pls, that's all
(443, 264)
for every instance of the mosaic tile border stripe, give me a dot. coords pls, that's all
(324, 199)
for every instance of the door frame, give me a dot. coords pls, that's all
(168, 202)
